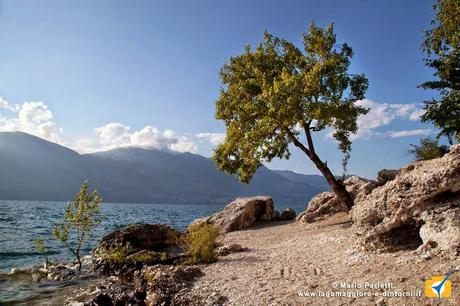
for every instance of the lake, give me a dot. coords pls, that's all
(21, 222)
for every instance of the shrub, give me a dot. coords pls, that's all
(199, 243)
(80, 219)
(146, 256)
(117, 253)
(428, 149)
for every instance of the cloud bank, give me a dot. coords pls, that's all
(31, 117)
(114, 135)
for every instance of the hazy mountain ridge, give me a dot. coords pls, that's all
(34, 169)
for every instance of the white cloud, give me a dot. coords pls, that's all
(414, 116)
(30, 117)
(214, 138)
(113, 135)
(85, 145)
(382, 114)
(6, 105)
(407, 133)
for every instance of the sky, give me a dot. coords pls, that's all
(95, 75)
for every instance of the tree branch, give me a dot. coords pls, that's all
(297, 143)
(306, 127)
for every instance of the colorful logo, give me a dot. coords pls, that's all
(438, 286)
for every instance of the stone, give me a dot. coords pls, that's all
(152, 237)
(420, 206)
(385, 175)
(326, 204)
(167, 285)
(137, 245)
(276, 216)
(242, 213)
(228, 249)
(288, 214)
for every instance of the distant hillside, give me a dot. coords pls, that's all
(34, 169)
(311, 179)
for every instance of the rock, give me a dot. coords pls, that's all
(228, 249)
(110, 291)
(59, 272)
(385, 175)
(326, 204)
(420, 205)
(171, 285)
(442, 227)
(242, 213)
(299, 216)
(287, 214)
(151, 237)
(130, 248)
(276, 216)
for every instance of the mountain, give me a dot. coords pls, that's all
(34, 169)
(311, 179)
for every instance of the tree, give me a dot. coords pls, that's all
(442, 47)
(80, 219)
(273, 94)
(428, 149)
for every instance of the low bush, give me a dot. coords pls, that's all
(200, 242)
(116, 253)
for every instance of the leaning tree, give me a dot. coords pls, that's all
(278, 95)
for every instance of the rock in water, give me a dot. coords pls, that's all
(242, 213)
(127, 249)
(326, 204)
(152, 237)
(288, 214)
(421, 205)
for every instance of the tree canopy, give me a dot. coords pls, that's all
(272, 94)
(442, 47)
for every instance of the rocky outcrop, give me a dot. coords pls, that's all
(242, 213)
(326, 204)
(287, 214)
(385, 175)
(420, 206)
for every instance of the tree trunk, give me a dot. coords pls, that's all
(79, 261)
(337, 187)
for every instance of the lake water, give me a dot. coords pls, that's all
(21, 222)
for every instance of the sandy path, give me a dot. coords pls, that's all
(288, 258)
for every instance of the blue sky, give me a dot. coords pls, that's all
(94, 75)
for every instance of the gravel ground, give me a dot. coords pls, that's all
(287, 258)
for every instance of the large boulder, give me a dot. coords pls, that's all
(151, 237)
(130, 248)
(326, 204)
(242, 213)
(420, 206)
